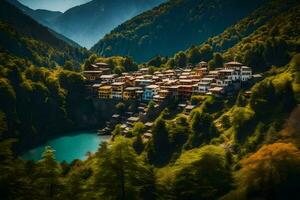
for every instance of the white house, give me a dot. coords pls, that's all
(246, 73)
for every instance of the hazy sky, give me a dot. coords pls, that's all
(56, 5)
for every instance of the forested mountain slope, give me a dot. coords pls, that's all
(268, 36)
(173, 26)
(20, 35)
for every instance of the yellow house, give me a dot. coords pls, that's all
(117, 90)
(105, 92)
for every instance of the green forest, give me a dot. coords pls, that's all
(239, 147)
(173, 26)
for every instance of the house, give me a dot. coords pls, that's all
(202, 87)
(185, 92)
(132, 120)
(95, 89)
(148, 135)
(217, 91)
(246, 73)
(188, 109)
(150, 91)
(117, 90)
(202, 64)
(92, 75)
(105, 92)
(233, 65)
(161, 96)
(144, 70)
(201, 71)
(143, 82)
(107, 79)
(131, 93)
(213, 74)
(173, 91)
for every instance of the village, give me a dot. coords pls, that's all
(163, 86)
(179, 84)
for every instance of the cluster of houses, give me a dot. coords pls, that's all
(178, 84)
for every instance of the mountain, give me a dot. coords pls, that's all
(44, 17)
(21, 36)
(272, 43)
(89, 22)
(267, 36)
(173, 26)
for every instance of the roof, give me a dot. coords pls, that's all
(257, 76)
(149, 124)
(216, 89)
(133, 88)
(105, 87)
(152, 86)
(234, 63)
(133, 119)
(118, 83)
(170, 71)
(148, 134)
(213, 72)
(144, 69)
(101, 64)
(206, 79)
(96, 85)
(92, 71)
(189, 107)
(108, 76)
(227, 70)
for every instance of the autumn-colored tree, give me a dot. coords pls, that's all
(270, 173)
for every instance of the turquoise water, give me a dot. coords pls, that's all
(68, 148)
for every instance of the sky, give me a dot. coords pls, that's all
(55, 5)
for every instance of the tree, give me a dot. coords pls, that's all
(206, 52)
(138, 144)
(14, 183)
(203, 129)
(121, 174)
(121, 108)
(201, 174)
(3, 124)
(270, 173)
(159, 150)
(156, 61)
(180, 59)
(217, 61)
(69, 65)
(138, 128)
(74, 188)
(48, 183)
(194, 55)
(129, 64)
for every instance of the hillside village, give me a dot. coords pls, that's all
(179, 84)
(163, 87)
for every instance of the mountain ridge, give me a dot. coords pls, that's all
(22, 36)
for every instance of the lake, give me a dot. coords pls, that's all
(70, 147)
